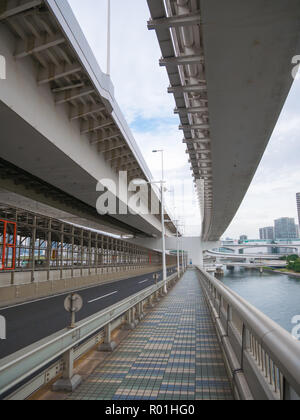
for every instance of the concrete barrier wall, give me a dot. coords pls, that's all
(17, 293)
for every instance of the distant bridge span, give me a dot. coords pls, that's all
(241, 256)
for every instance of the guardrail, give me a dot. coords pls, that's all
(23, 365)
(263, 358)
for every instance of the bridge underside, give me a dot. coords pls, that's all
(230, 73)
(248, 50)
(60, 122)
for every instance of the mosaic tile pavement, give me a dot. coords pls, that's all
(172, 355)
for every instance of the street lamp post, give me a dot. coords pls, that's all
(108, 36)
(182, 255)
(163, 222)
(178, 261)
(177, 242)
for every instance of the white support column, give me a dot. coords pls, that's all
(69, 382)
(130, 324)
(107, 345)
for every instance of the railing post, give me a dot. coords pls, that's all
(140, 311)
(130, 324)
(107, 345)
(69, 382)
(150, 302)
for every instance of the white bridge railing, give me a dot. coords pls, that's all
(262, 358)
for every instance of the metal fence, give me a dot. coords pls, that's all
(263, 359)
(46, 244)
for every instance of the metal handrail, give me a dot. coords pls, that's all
(21, 365)
(276, 352)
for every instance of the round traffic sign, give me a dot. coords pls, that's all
(73, 303)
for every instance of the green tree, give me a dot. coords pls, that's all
(292, 258)
(297, 266)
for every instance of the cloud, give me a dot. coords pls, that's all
(141, 85)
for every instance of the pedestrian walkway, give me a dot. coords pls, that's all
(172, 355)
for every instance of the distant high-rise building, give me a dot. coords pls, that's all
(297, 231)
(298, 206)
(266, 233)
(285, 228)
(243, 238)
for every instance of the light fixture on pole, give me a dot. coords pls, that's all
(163, 221)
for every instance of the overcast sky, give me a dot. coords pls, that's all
(141, 91)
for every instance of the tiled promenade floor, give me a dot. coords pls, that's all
(172, 355)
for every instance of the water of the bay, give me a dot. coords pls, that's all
(276, 295)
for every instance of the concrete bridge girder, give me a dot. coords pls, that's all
(46, 131)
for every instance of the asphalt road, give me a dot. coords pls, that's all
(30, 322)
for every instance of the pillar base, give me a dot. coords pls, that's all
(107, 347)
(130, 326)
(141, 316)
(68, 385)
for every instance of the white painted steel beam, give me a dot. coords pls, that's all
(181, 60)
(175, 21)
(12, 8)
(64, 97)
(36, 45)
(85, 111)
(57, 72)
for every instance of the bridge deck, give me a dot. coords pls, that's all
(172, 355)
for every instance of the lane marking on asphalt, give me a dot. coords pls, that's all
(102, 297)
(144, 281)
(82, 289)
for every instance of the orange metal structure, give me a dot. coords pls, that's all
(9, 235)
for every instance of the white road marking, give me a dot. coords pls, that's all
(144, 281)
(102, 297)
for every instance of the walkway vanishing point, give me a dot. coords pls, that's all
(173, 354)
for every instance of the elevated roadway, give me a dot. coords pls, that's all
(62, 129)
(229, 64)
(241, 256)
(288, 247)
(269, 263)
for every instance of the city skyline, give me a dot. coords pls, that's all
(263, 232)
(298, 206)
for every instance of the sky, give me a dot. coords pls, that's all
(141, 92)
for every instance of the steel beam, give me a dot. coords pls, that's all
(64, 97)
(194, 110)
(197, 140)
(9, 8)
(85, 111)
(175, 21)
(92, 125)
(194, 127)
(181, 60)
(109, 145)
(57, 72)
(113, 155)
(188, 89)
(122, 163)
(35, 45)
